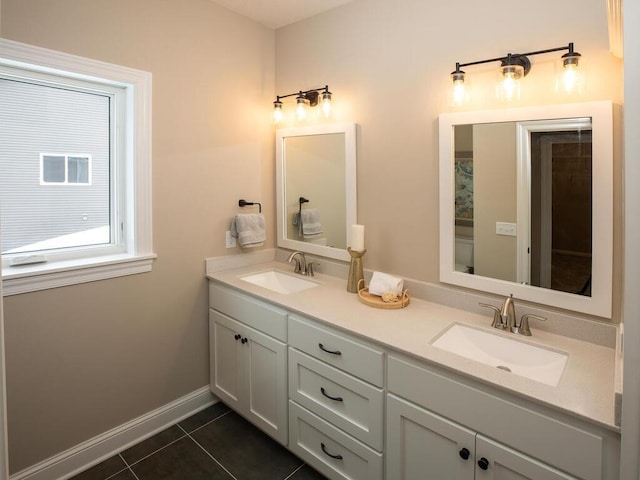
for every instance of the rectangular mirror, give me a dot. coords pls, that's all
(526, 203)
(316, 188)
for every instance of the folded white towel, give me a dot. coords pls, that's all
(382, 282)
(248, 228)
(310, 225)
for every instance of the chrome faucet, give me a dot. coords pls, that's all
(301, 262)
(505, 317)
(508, 313)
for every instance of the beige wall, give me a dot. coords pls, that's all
(84, 359)
(388, 63)
(495, 200)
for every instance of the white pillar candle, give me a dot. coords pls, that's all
(357, 238)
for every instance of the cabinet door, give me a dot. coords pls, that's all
(422, 445)
(265, 373)
(495, 461)
(225, 336)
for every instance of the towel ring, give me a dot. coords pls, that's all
(301, 200)
(244, 203)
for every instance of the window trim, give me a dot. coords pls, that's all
(66, 156)
(134, 179)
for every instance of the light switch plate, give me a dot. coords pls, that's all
(230, 241)
(508, 229)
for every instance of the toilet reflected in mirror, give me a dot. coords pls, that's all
(464, 254)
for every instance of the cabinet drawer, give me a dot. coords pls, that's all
(564, 446)
(250, 311)
(351, 404)
(337, 349)
(329, 450)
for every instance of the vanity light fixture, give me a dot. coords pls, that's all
(515, 66)
(304, 100)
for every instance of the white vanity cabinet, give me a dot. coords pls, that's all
(325, 394)
(440, 427)
(423, 444)
(336, 401)
(248, 358)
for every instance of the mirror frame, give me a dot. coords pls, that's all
(601, 114)
(350, 185)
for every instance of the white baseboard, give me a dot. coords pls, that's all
(95, 450)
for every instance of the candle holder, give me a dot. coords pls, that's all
(355, 270)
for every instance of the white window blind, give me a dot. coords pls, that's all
(46, 200)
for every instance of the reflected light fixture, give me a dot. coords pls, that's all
(304, 100)
(514, 67)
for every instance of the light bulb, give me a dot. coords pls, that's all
(509, 82)
(326, 104)
(301, 109)
(570, 75)
(459, 93)
(277, 111)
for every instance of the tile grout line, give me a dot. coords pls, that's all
(186, 434)
(152, 453)
(205, 424)
(207, 452)
(294, 472)
(114, 474)
(128, 467)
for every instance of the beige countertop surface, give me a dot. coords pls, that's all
(586, 388)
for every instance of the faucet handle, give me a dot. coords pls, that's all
(497, 316)
(523, 328)
(310, 266)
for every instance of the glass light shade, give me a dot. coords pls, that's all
(459, 90)
(301, 109)
(508, 87)
(277, 112)
(570, 79)
(326, 104)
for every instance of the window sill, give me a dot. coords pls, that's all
(17, 280)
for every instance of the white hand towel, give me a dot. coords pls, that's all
(382, 282)
(248, 228)
(310, 222)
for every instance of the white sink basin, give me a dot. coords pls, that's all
(534, 362)
(279, 282)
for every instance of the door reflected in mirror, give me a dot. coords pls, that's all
(555, 164)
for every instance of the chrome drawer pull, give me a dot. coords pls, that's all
(324, 449)
(337, 399)
(332, 352)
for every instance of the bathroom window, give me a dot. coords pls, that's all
(74, 169)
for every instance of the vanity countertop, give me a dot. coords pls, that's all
(586, 388)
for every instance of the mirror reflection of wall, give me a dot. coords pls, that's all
(557, 195)
(315, 170)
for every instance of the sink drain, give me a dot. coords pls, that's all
(502, 367)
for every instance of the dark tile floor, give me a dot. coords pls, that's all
(215, 444)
